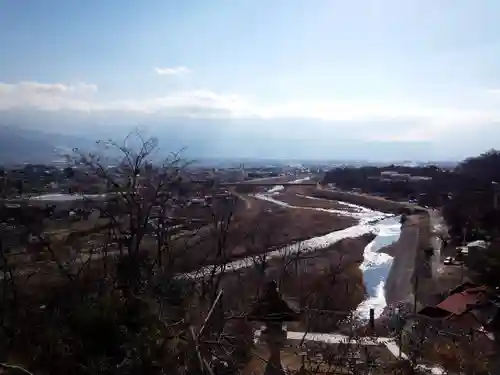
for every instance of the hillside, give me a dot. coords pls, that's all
(21, 145)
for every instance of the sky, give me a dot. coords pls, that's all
(250, 75)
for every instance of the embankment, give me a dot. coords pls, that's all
(407, 253)
(369, 201)
(318, 281)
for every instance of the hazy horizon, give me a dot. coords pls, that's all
(360, 80)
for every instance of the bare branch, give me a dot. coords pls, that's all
(15, 367)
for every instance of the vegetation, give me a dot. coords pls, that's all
(113, 298)
(465, 194)
(112, 309)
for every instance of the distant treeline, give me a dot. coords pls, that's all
(466, 193)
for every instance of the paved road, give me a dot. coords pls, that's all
(336, 338)
(248, 203)
(413, 262)
(438, 228)
(400, 282)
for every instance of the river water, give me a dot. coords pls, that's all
(61, 197)
(375, 267)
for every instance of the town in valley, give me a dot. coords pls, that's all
(356, 251)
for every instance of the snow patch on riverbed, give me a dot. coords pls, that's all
(278, 188)
(275, 190)
(300, 180)
(375, 267)
(350, 205)
(311, 244)
(60, 197)
(376, 302)
(363, 214)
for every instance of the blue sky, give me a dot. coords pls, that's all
(421, 71)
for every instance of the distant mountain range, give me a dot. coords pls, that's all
(22, 145)
(33, 134)
(18, 146)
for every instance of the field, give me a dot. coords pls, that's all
(264, 227)
(328, 282)
(299, 198)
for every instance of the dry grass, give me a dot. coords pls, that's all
(258, 231)
(324, 280)
(458, 354)
(291, 197)
(366, 200)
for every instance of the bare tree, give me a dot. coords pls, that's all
(140, 295)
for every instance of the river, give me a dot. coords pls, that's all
(376, 264)
(375, 267)
(61, 197)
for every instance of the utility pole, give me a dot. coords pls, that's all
(372, 322)
(415, 292)
(495, 194)
(399, 329)
(462, 271)
(416, 273)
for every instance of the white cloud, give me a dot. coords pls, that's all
(81, 97)
(375, 119)
(172, 71)
(47, 88)
(46, 96)
(196, 103)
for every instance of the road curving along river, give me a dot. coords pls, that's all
(375, 266)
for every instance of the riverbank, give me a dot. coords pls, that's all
(399, 285)
(267, 227)
(407, 252)
(369, 201)
(385, 265)
(372, 265)
(325, 284)
(301, 197)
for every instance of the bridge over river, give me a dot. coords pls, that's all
(250, 183)
(261, 183)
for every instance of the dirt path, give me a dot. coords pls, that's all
(366, 200)
(399, 285)
(244, 198)
(411, 267)
(439, 230)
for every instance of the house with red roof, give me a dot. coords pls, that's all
(468, 307)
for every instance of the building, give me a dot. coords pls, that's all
(392, 176)
(471, 250)
(468, 307)
(477, 245)
(235, 174)
(420, 178)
